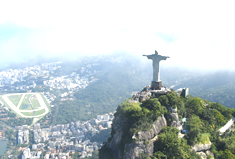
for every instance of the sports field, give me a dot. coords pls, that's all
(34, 101)
(26, 105)
(15, 99)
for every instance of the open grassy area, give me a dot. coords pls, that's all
(45, 100)
(35, 102)
(205, 138)
(3, 101)
(39, 112)
(25, 103)
(15, 99)
(27, 113)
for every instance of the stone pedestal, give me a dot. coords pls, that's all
(156, 85)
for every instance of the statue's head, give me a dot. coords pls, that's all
(156, 52)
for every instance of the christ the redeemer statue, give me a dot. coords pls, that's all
(156, 67)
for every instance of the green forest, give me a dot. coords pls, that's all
(117, 81)
(113, 86)
(204, 119)
(215, 86)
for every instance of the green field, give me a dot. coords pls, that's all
(39, 112)
(15, 99)
(25, 103)
(45, 101)
(3, 101)
(204, 138)
(27, 113)
(35, 102)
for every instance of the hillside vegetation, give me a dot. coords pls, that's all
(116, 82)
(114, 85)
(204, 119)
(216, 87)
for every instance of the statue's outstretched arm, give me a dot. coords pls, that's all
(164, 57)
(148, 56)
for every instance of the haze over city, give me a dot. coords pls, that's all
(196, 35)
(117, 79)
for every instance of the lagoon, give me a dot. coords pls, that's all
(3, 147)
(25, 106)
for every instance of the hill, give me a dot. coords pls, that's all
(118, 76)
(216, 86)
(115, 83)
(151, 129)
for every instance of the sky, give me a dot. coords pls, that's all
(195, 34)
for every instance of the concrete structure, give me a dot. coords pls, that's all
(34, 146)
(23, 136)
(227, 126)
(36, 126)
(185, 92)
(26, 154)
(20, 139)
(156, 83)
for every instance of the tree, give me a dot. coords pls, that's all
(172, 98)
(195, 124)
(152, 104)
(168, 144)
(164, 100)
(193, 106)
(226, 154)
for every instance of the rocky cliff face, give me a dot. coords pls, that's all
(201, 147)
(142, 143)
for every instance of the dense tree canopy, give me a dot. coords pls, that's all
(170, 145)
(204, 119)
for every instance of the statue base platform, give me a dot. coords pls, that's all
(163, 91)
(156, 85)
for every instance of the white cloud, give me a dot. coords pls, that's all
(200, 33)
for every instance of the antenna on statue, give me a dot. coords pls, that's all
(156, 52)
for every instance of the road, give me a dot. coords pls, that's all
(227, 125)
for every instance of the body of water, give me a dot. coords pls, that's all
(3, 147)
(25, 106)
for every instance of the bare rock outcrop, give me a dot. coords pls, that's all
(210, 153)
(201, 147)
(174, 117)
(157, 127)
(134, 149)
(113, 144)
(141, 144)
(202, 154)
(205, 154)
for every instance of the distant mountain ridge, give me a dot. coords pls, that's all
(215, 87)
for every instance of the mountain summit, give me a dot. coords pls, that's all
(170, 126)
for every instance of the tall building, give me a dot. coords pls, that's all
(20, 139)
(26, 154)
